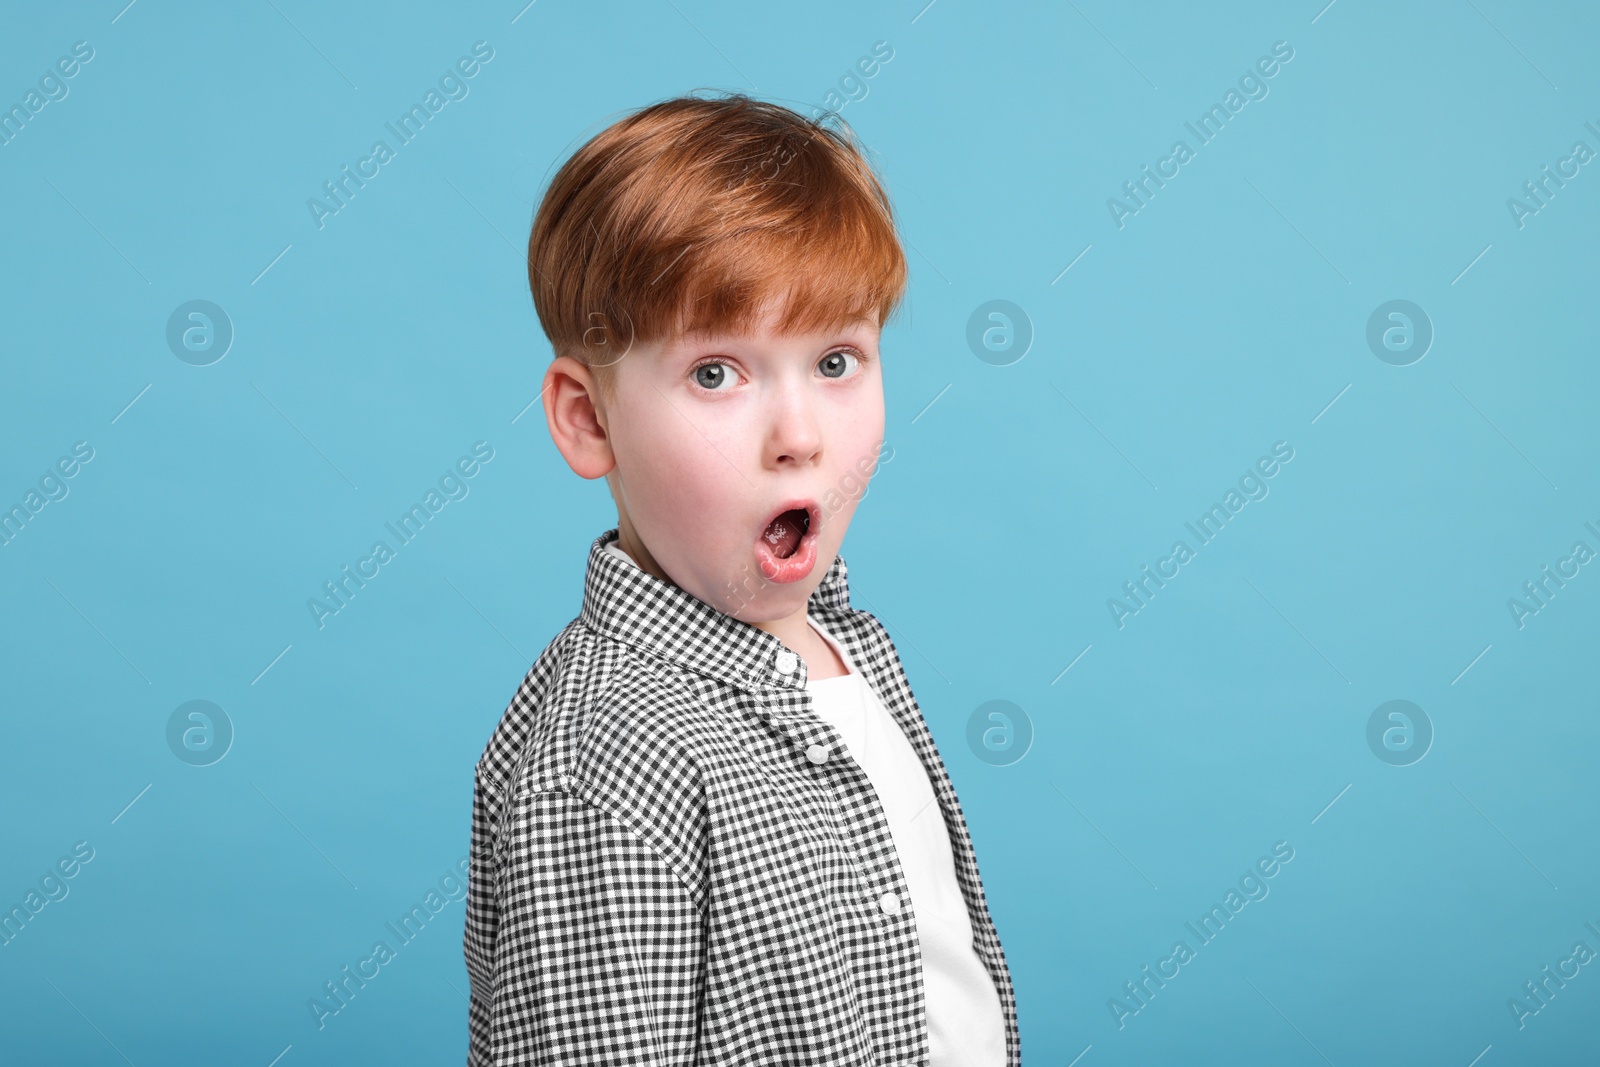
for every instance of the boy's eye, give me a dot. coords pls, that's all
(714, 376)
(837, 364)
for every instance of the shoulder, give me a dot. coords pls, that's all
(565, 662)
(588, 703)
(619, 731)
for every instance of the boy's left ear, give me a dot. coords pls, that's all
(577, 421)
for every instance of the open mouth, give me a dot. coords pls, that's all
(786, 530)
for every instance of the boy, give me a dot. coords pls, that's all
(712, 827)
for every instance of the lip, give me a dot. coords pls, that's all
(797, 566)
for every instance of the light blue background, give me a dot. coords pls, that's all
(1229, 313)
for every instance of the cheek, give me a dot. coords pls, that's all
(860, 429)
(680, 471)
(856, 437)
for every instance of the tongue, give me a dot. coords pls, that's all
(784, 533)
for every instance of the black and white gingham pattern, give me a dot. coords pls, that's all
(659, 873)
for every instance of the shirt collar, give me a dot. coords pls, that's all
(638, 609)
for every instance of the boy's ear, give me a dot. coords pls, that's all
(576, 419)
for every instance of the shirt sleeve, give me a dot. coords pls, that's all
(583, 945)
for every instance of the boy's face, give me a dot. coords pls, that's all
(714, 437)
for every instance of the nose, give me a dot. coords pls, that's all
(794, 437)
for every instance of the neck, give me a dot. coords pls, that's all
(793, 630)
(797, 633)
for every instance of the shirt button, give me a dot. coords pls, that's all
(787, 662)
(890, 904)
(817, 753)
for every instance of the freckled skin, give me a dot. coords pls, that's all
(697, 459)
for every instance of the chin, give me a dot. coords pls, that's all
(769, 602)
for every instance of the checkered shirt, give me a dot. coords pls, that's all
(659, 873)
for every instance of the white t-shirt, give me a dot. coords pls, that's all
(966, 1026)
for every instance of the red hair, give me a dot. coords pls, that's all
(692, 214)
